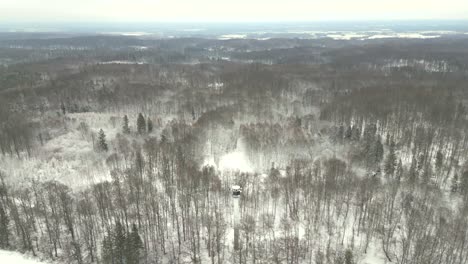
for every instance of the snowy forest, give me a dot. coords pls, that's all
(124, 149)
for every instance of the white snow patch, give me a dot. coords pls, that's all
(69, 145)
(209, 162)
(139, 47)
(373, 256)
(443, 32)
(404, 35)
(428, 66)
(232, 36)
(235, 161)
(216, 85)
(346, 36)
(16, 258)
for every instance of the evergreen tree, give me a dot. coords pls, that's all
(439, 160)
(421, 162)
(339, 259)
(141, 124)
(454, 185)
(139, 162)
(340, 134)
(349, 257)
(107, 250)
(193, 114)
(348, 133)
(319, 258)
(464, 183)
(4, 232)
(134, 246)
(62, 107)
(413, 174)
(125, 127)
(368, 150)
(390, 162)
(427, 173)
(378, 150)
(119, 243)
(102, 144)
(369, 133)
(149, 125)
(355, 134)
(374, 151)
(399, 171)
(163, 138)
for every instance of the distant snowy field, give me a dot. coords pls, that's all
(340, 35)
(10, 257)
(312, 34)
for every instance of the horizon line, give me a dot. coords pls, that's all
(106, 21)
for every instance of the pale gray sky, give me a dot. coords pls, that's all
(229, 10)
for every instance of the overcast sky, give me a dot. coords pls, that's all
(228, 10)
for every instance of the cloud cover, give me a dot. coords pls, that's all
(228, 11)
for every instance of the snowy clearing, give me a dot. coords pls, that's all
(10, 257)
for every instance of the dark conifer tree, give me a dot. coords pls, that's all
(378, 150)
(319, 257)
(125, 127)
(369, 133)
(399, 171)
(340, 134)
(390, 162)
(62, 107)
(464, 183)
(4, 232)
(454, 185)
(339, 259)
(439, 160)
(107, 250)
(348, 133)
(349, 257)
(102, 144)
(355, 133)
(134, 246)
(150, 125)
(141, 124)
(119, 244)
(413, 173)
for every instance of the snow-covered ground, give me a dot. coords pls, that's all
(343, 35)
(232, 36)
(374, 255)
(11, 257)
